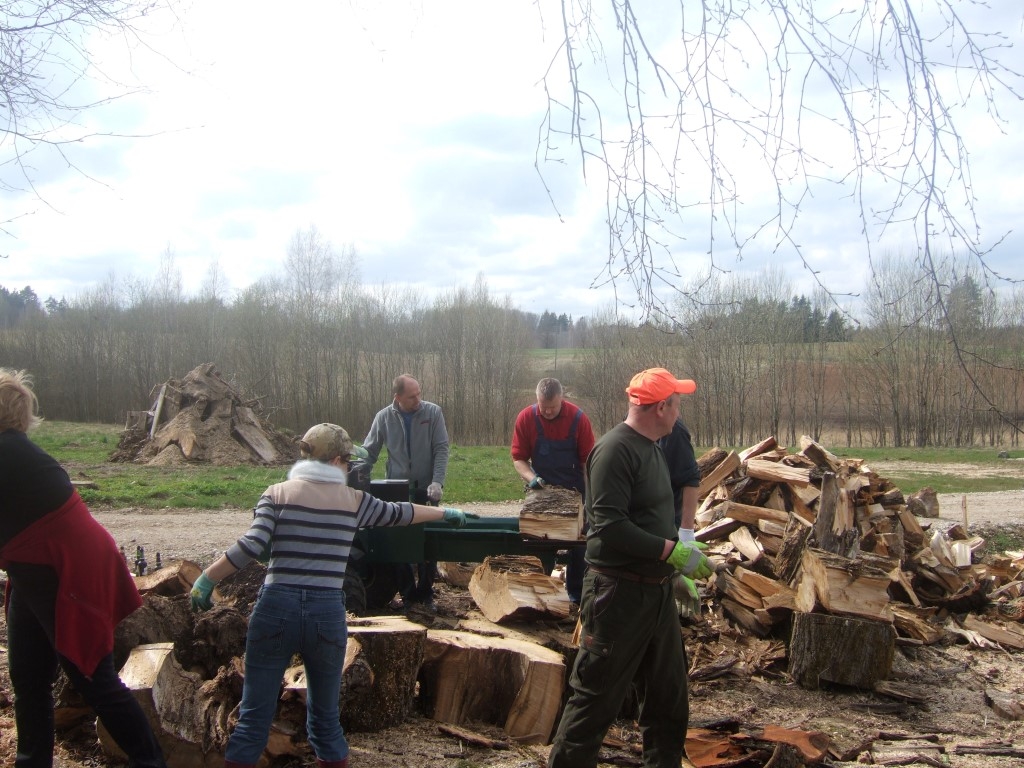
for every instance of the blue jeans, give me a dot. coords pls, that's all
(286, 621)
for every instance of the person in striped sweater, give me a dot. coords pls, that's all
(307, 524)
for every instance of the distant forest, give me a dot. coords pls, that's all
(912, 368)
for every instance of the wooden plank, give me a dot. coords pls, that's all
(156, 410)
(256, 440)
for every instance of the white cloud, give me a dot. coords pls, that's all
(407, 130)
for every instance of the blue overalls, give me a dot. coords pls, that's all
(558, 462)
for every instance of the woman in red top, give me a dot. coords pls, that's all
(67, 588)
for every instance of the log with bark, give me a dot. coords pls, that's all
(552, 512)
(842, 650)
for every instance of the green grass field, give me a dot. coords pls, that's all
(475, 473)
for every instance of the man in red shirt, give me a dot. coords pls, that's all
(550, 445)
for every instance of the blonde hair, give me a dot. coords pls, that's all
(18, 403)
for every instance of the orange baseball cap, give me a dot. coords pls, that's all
(657, 384)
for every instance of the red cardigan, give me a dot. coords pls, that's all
(95, 590)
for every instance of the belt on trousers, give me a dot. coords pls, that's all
(629, 575)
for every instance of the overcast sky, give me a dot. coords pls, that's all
(408, 131)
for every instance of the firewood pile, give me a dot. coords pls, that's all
(830, 546)
(202, 418)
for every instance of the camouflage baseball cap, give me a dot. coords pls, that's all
(325, 441)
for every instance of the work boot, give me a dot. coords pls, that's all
(343, 763)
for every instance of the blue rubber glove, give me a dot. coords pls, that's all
(687, 558)
(202, 593)
(458, 518)
(536, 482)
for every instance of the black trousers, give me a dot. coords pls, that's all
(630, 634)
(33, 664)
(416, 581)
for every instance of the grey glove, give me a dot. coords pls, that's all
(687, 598)
(434, 492)
(536, 482)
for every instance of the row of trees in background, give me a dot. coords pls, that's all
(312, 344)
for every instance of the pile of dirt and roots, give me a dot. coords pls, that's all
(204, 419)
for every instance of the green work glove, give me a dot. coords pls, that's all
(687, 558)
(458, 518)
(202, 591)
(536, 482)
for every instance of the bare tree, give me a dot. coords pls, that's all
(695, 111)
(48, 76)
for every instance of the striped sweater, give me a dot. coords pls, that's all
(309, 522)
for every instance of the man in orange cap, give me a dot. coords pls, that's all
(630, 626)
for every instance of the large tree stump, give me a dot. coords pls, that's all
(191, 727)
(508, 682)
(391, 648)
(835, 649)
(517, 589)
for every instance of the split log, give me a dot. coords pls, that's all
(710, 459)
(749, 514)
(517, 593)
(777, 472)
(1011, 635)
(842, 586)
(924, 503)
(1005, 704)
(728, 585)
(769, 443)
(818, 454)
(834, 529)
(840, 650)
(552, 513)
(746, 544)
(758, 622)
(722, 470)
(913, 534)
(787, 561)
(719, 529)
(515, 684)
(762, 585)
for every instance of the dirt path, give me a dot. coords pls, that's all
(201, 535)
